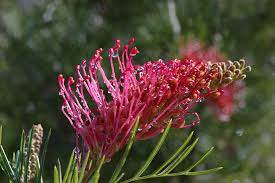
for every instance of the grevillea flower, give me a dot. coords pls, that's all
(154, 92)
(232, 98)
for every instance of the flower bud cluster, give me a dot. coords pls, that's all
(36, 142)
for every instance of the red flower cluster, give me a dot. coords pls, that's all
(155, 91)
(232, 98)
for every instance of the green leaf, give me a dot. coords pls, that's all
(27, 161)
(75, 175)
(96, 175)
(83, 168)
(119, 178)
(155, 151)
(183, 173)
(180, 158)
(38, 167)
(71, 172)
(69, 179)
(1, 133)
(175, 154)
(69, 167)
(200, 160)
(55, 175)
(126, 152)
(5, 164)
(59, 171)
(203, 172)
(21, 153)
(39, 177)
(17, 160)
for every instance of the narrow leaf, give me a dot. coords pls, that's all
(21, 153)
(7, 166)
(175, 154)
(38, 166)
(1, 133)
(155, 151)
(125, 154)
(17, 160)
(203, 172)
(96, 175)
(71, 172)
(75, 176)
(55, 175)
(39, 177)
(183, 173)
(200, 160)
(69, 179)
(59, 171)
(83, 168)
(69, 167)
(178, 160)
(119, 177)
(27, 161)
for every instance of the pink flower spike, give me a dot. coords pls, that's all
(155, 91)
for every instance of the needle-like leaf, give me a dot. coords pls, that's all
(155, 151)
(55, 175)
(83, 168)
(27, 160)
(125, 154)
(1, 133)
(180, 158)
(200, 160)
(59, 171)
(175, 154)
(21, 153)
(5, 164)
(69, 167)
(75, 175)
(39, 177)
(96, 175)
(183, 173)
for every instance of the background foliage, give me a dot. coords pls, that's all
(40, 39)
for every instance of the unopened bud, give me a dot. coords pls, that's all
(237, 64)
(237, 72)
(243, 76)
(247, 69)
(232, 68)
(242, 62)
(228, 74)
(227, 80)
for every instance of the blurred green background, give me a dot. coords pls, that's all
(41, 38)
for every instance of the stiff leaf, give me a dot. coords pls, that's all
(96, 175)
(75, 175)
(27, 161)
(59, 171)
(1, 133)
(180, 158)
(125, 154)
(175, 155)
(39, 177)
(155, 151)
(5, 164)
(69, 167)
(200, 160)
(55, 175)
(183, 173)
(83, 168)
(21, 153)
